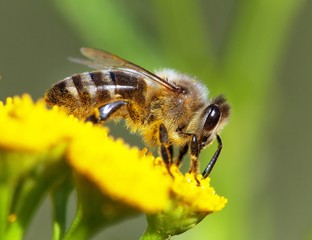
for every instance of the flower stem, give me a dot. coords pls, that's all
(5, 201)
(60, 195)
(152, 234)
(81, 228)
(15, 231)
(77, 229)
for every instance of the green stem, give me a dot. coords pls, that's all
(82, 227)
(15, 231)
(77, 230)
(152, 234)
(60, 196)
(24, 204)
(95, 211)
(29, 191)
(5, 204)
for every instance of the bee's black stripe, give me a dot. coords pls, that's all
(59, 94)
(100, 81)
(126, 79)
(83, 92)
(129, 86)
(113, 77)
(77, 82)
(53, 95)
(62, 86)
(97, 78)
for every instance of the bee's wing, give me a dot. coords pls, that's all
(99, 59)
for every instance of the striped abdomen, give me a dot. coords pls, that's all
(80, 94)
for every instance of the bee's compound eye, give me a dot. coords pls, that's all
(213, 117)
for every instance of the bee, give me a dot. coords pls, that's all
(166, 108)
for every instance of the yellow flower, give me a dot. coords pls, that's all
(192, 199)
(120, 175)
(30, 127)
(30, 154)
(123, 173)
(196, 192)
(126, 174)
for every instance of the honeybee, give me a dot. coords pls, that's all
(167, 108)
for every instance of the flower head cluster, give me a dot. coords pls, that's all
(51, 144)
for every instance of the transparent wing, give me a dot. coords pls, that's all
(99, 59)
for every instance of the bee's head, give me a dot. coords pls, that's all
(214, 117)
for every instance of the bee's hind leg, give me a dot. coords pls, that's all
(106, 111)
(166, 148)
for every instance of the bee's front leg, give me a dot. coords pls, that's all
(106, 111)
(166, 148)
(214, 158)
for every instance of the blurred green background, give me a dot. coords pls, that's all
(258, 53)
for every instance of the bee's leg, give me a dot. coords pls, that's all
(214, 158)
(182, 152)
(106, 111)
(92, 119)
(166, 149)
(194, 149)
